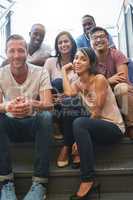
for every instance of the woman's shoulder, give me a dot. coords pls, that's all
(100, 77)
(100, 80)
(51, 60)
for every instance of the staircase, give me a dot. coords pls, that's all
(114, 170)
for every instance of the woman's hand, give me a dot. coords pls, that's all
(66, 68)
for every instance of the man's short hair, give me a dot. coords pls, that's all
(89, 16)
(38, 25)
(98, 28)
(15, 37)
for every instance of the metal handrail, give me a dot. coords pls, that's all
(7, 10)
(2, 57)
(3, 21)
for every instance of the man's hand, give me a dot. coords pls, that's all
(117, 78)
(19, 107)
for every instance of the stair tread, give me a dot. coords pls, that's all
(101, 168)
(104, 196)
(124, 140)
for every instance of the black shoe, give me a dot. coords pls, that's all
(94, 188)
(75, 165)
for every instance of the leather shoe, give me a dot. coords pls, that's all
(63, 158)
(94, 188)
(129, 132)
(75, 161)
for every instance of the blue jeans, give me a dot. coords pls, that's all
(36, 128)
(57, 85)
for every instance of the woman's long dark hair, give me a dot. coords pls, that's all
(73, 50)
(89, 52)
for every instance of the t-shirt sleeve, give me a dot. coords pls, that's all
(45, 80)
(119, 57)
(47, 66)
(111, 42)
(47, 51)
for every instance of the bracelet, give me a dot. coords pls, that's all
(5, 106)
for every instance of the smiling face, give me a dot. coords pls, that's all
(16, 51)
(99, 41)
(88, 23)
(81, 63)
(64, 44)
(37, 35)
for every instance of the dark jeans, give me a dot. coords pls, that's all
(66, 112)
(38, 128)
(72, 108)
(87, 132)
(57, 85)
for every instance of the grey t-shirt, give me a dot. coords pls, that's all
(42, 53)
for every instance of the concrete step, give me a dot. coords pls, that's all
(114, 177)
(104, 196)
(114, 169)
(120, 151)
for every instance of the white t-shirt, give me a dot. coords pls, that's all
(43, 52)
(37, 80)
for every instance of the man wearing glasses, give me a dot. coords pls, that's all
(113, 64)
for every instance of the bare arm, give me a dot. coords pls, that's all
(45, 102)
(39, 61)
(120, 76)
(69, 89)
(101, 86)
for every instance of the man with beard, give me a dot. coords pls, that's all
(23, 117)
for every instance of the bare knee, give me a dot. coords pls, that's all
(121, 89)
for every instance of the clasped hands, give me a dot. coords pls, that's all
(19, 107)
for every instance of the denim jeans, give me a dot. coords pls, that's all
(88, 131)
(72, 108)
(57, 85)
(36, 128)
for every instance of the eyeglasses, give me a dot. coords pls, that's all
(101, 37)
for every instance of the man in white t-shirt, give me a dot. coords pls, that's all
(23, 116)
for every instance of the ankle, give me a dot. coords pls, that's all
(4, 182)
(84, 188)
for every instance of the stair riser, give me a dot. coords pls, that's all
(68, 185)
(108, 153)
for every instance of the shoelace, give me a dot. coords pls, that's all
(38, 187)
(2, 184)
(8, 190)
